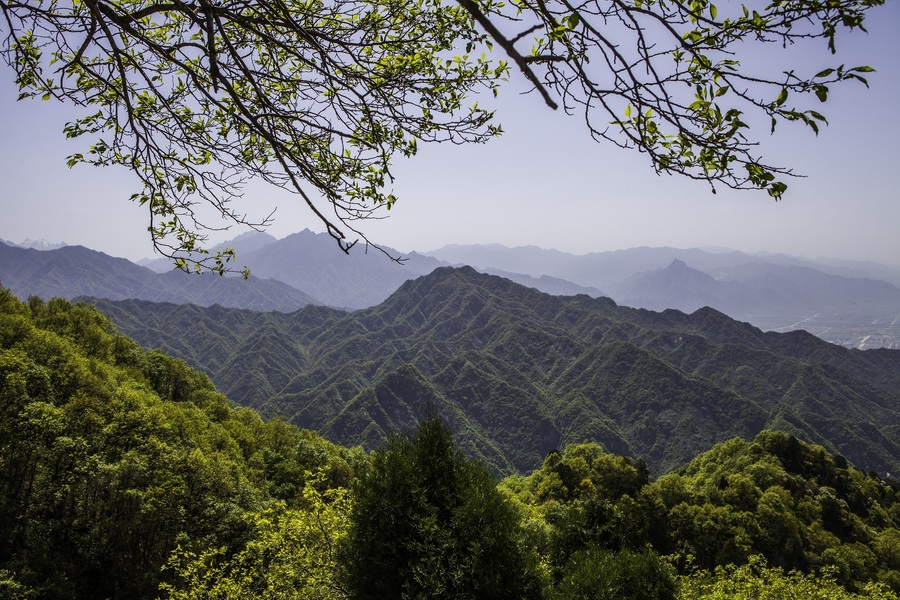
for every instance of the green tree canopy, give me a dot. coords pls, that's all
(428, 523)
(197, 97)
(111, 457)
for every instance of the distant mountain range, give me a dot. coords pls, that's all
(855, 304)
(73, 271)
(758, 288)
(612, 270)
(518, 372)
(312, 262)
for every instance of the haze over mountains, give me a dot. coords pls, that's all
(854, 304)
(611, 269)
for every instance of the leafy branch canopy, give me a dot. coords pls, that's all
(317, 96)
(665, 76)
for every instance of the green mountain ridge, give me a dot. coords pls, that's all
(527, 372)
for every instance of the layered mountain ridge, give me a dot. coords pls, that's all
(854, 304)
(72, 271)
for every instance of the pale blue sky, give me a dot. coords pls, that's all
(543, 183)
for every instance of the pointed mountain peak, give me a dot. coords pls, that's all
(41, 244)
(681, 270)
(248, 241)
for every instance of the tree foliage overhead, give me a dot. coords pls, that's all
(198, 97)
(317, 97)
(666, 77)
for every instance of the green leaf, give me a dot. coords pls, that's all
(777, 189)
(824, 73)
(782, 97)
(855, 76)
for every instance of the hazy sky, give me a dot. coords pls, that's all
(543, 183)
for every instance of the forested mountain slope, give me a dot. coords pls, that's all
(519, 373)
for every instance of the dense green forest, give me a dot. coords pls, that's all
(125, 474)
